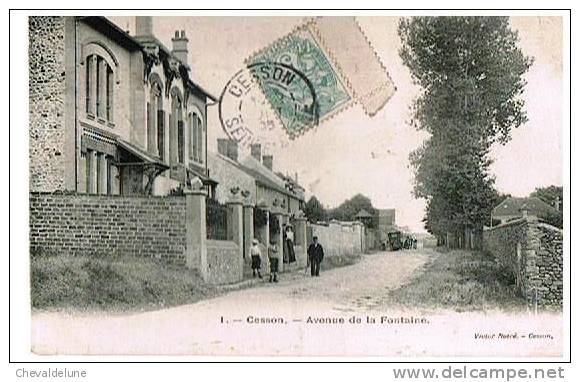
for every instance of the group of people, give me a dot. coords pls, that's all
(315, 255)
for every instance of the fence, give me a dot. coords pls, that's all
(216, 220)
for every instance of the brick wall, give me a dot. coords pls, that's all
(532, 250)
(117, 225)
(47, 100)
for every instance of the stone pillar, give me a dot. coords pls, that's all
(248, 230)
(279, 240)
(236, 222)
(195, 248)
(103, 174)
(359, 229)
(301, 240)
(92, 172)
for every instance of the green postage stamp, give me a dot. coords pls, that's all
(336, 61)
(301, 51)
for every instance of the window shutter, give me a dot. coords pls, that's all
(161, 133)
(199, 140)
(88, 83)
(180, 141)
(190, 136)
(109, 94)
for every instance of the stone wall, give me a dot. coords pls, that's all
(81, 224)
(47, 84)
(532, 250)
(223, 264)
(339, 238)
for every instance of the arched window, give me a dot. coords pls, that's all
(196, 137)
(99, 88)
(176, 133)
(155, 119)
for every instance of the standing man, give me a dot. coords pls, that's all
(315, 255)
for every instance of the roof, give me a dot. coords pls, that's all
(139, 153)
(205, 179)
(264, 181)
(512, 207)
(386, 212)
(109, 28)
(148, 40)
(363, 214)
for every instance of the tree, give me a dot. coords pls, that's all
(348, 209)
(314, 210)
(470, 71)
(550, 194)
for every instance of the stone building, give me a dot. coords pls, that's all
(271, 200)
(110, 113)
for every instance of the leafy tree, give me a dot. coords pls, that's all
(552, 217)
(550, 194)
(348, 209)
(470, 71)
(314, 210)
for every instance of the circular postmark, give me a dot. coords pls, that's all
(268, 103)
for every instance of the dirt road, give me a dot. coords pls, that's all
(338, 313)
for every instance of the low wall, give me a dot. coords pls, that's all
(532, 250)
(81, 224)
(339, 239)
(224, 266)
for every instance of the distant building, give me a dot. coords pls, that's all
(386, 219)
(255, 175)
(514, 208)
(364, 217)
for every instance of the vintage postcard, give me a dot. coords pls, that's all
(364, 186)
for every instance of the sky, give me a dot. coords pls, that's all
(354, 153)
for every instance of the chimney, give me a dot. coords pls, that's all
(268, 161)
(143, 26)
(228, 148)
(180, 46)
(232, 150)
(256, 151)
(223, 146)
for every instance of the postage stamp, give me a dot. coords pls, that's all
(301, 51)
(336, 57)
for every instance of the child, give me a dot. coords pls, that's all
(273, 258)
(255, 253)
